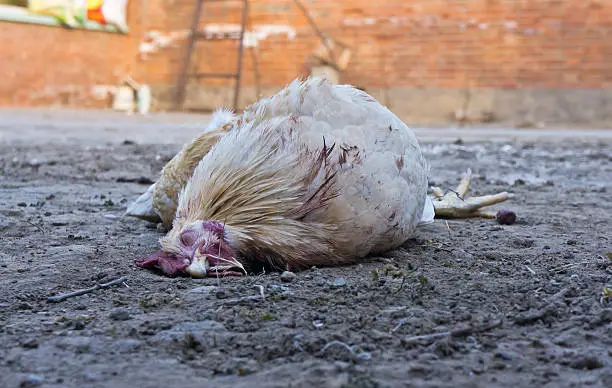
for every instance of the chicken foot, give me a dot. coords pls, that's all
(454, 203)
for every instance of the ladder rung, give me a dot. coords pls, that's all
(214, 75)
(203, 36)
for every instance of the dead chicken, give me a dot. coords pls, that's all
(318, 174)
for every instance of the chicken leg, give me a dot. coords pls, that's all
(454, 203)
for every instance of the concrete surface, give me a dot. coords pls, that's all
(98, 126)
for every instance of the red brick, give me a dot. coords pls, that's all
(546, 43)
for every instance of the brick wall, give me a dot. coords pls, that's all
(507, 59)
(44, 65)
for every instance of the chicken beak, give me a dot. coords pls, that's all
(199, 267)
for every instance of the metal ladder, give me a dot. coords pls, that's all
(195, 36)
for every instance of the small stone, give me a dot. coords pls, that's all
(378, 335)
(428, 357)
(221, 293)
(504, 356)
(24, 305)
(30, 344)
(120, 314)
(289, 323)
(337, 283)
(91, 376)
(287, 277)
(586, 363)
(33, 163)
(506, 217)
(605, 316)
(22, 204)
(31, 381)
(247, 368)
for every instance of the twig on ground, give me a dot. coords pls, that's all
(62, 297)
(399, 324)
(567, 266)
(241, 299)
(448, 228)
(41, 228)
(256, 278)
(400, 287)
(530, 270)
(559, 295)
(439, 246)
(455, 333)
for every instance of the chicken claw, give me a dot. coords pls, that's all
(454, 203)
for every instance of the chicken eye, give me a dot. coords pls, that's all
(188, 238)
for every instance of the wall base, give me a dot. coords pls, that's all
(438, 106)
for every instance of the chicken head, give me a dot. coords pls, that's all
(198, 249)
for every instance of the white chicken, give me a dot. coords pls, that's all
(318, 174)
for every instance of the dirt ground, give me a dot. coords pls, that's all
(517, 305)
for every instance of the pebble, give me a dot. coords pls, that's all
(287, 277)
(91, 376)
(337, 283)
(30, 344)
(504, 356)
(428, 357)
(378, 335)
(24, 306)
(506, 217)
(605, 316)
(120, 314)
(5, 224)
(586, 363)
(31, 381)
